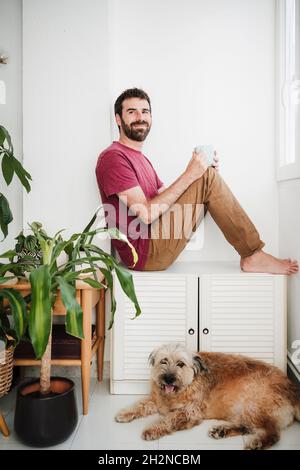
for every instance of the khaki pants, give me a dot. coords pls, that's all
(208, 192)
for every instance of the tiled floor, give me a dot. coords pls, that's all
(99, 431)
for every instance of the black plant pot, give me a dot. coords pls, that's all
(42, 421)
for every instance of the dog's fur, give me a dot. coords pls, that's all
(253, 397)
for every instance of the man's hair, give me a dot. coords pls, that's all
(130, 93)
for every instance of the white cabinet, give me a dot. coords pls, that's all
(244, 314)
(208, 307)
(169, 304)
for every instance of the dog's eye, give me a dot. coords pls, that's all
(180, 364)
(164, 361)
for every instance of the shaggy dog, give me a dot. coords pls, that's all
(253, 398)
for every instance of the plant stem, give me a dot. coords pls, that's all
(46, 369)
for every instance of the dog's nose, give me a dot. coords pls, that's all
(169, 379)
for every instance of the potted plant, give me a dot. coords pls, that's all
(49, 403)
(10, 166)
(10, 332)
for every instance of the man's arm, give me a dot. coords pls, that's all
(215, 164)
(148, 211)
(161, 189)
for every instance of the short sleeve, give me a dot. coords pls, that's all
(115, 174)
(159, 183)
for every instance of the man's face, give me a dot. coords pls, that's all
(136, 120)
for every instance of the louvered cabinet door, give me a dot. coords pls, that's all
(169, 313)
(244, 314)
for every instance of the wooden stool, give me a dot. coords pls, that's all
(3, 426)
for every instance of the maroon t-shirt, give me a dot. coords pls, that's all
(120, 168)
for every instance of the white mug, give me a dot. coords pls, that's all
(208, 151)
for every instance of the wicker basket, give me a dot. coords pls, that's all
(6, 371)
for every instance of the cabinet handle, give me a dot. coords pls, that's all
(205, 331)
(191, 331)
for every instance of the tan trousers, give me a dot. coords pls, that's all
(169, 235)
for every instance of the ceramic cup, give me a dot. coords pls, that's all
(208, 151)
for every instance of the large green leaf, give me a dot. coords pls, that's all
(8, 254)
(110, 283)
(7, 168)
(5, 215)
(74, 311)
(115, 233)
(5, 279)
(93, 283)
(58, 249)
(22, 174)
(91, 222)
(18, 310)
(4, 135)
(6, 267)
(96, 249)
(40, 318)
(126, 281)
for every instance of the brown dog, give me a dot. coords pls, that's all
(253, 397)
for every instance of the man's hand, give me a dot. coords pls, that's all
(216, 163)
(197, 166)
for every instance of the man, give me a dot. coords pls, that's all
(148, 213)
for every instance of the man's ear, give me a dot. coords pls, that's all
(118, 120)
(198, 365)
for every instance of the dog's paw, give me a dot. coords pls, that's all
(217, 432)
(124, 417)
(253, 444)
(150, 434)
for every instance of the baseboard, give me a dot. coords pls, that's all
(67, 371)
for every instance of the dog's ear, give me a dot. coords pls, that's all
(151, 358)
(199, 365)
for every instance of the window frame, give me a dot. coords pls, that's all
(285, 169)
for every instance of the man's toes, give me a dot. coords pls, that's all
(293, 271)
(291, 262)
(294, 267)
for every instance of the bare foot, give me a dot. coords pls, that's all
(261, 262)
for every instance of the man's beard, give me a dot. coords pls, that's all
(134, 132)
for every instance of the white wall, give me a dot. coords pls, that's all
(66, 108)
(208, 66)
(209, 69)
(11, 111)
